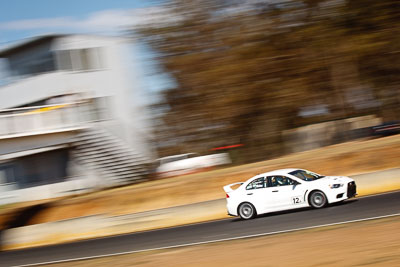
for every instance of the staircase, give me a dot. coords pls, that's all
(109, 157)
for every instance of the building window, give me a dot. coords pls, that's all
(7, 174)
(32, 64)
(64, 60)
(80, 59)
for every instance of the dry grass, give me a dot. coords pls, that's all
(343, 159)
(372, 243)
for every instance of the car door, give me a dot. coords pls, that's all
(258, 194)
(286, 192)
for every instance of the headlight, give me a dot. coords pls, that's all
(332, 186)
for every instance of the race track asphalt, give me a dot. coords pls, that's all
(355, 209)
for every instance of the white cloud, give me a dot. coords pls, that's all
(31, 24)
(106, 20)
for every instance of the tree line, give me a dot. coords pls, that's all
(245, 71)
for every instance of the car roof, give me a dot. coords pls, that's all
(177, 156)
(275, 172)
(279, 172)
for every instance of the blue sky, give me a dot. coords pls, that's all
(20, 19)
(24, 18)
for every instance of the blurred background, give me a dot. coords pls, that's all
(276, 76)
(164, 81)
(99, 94)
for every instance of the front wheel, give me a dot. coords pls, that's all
(247, 211)
(317, 200)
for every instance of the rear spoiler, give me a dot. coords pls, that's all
(227, 188)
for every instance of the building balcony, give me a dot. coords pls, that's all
(47, 119)
(31, 89)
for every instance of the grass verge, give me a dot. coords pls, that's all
(368, 243)
(342, 159)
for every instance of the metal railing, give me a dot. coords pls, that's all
(42, 119)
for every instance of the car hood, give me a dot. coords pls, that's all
(334, 180)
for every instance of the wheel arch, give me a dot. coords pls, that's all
(308, 194)
(243, 202)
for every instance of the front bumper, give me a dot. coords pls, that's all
(351, 189)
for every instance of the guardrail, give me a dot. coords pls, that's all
(39, 119)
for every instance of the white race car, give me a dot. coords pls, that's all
(286, 189)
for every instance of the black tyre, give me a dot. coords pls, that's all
(317, 200)
(247, 211)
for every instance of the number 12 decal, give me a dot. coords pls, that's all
(296, 200)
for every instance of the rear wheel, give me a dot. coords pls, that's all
(247, 211)
(317, 199)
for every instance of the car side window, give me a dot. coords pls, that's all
(256, 184)
(280, 181)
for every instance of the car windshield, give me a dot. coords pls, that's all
(306, 175)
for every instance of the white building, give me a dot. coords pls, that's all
(71, 117)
